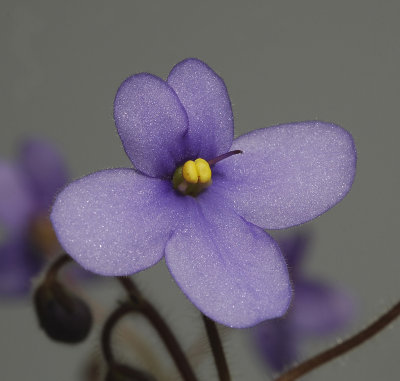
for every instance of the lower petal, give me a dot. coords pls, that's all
(288, 174)
(116, 222)
(230, 269)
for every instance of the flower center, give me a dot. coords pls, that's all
(193, 177)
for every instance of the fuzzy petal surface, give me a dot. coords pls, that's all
(231, 270)
(288, 174)
(320, 309)
(206, 101)
(45, 170)
(151, 123)
(16, 200)
(117, 221)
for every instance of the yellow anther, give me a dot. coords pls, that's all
(189, 172)
(194, 177)
(197, 171)
(203, 170)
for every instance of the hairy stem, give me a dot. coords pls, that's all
(343, 347)
(108, 328)
(52, 271)
(165, 333)
(217, 349)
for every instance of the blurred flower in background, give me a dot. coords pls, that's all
(317, 309)
(27, 189)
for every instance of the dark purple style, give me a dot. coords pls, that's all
(121, 221)
(317, 309)
(27, 190)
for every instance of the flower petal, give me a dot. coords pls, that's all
(18, 264)
(45, 169)
(205, 98)
(320, 309)
(277, 343)
(151, 123)
(116, 222)
(16, 201)
(230, 269)
(288, 174)
(294, 248)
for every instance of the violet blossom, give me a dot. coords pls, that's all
(210, 230)
(27, 190)
(317, 309)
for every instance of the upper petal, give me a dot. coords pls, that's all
(151, 123)
(288, 174)
(205, 98)
(231, 270)
(45, 169)
(115, 222)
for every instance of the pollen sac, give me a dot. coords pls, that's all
(193, 177)
(189, 172)
(197, 171)
(203, 170)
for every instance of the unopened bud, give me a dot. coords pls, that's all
(62, 315)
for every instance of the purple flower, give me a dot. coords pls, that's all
(121, 221)
(27, 190)
(317, 309)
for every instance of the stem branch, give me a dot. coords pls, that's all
(345, 346)
(52, 271)
(147, 309)
(217, 349)
(108, 328)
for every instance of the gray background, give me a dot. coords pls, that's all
(282, 61)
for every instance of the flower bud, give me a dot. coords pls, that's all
(119, 372)
(62, 315)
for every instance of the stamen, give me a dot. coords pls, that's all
(223, 156)
(193, 177)
(189, 172)
(203, 170)
(197, 171)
